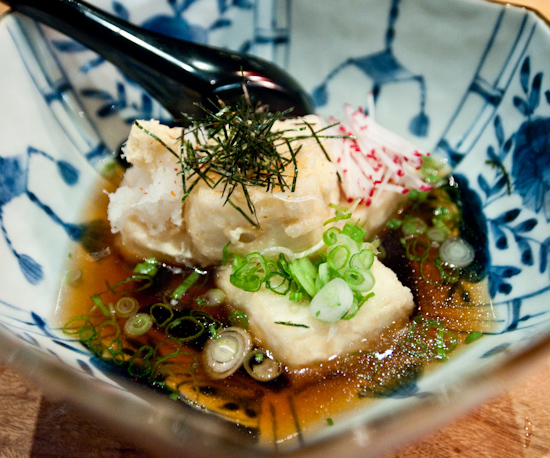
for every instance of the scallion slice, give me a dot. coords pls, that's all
(457, 252)
(126, 307)
(224, 354)
(362, 260)
(138, 324)
(339, 257)
(413, 226)
(304, 273)
(330, 236)
(212, 298)
(261, 365)
(332, 302)
(185, 285)
(147, 267)
(359, 279)
(354, 232)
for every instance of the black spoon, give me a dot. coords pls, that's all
(175, 72)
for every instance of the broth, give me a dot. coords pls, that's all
(448, 315)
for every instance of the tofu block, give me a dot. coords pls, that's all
(299, 346)
(147, 207)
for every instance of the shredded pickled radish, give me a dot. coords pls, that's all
(375, 159)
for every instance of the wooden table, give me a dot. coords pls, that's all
(515, 424)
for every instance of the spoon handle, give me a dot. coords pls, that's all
(175, 72)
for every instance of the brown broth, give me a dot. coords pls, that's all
(298, 400)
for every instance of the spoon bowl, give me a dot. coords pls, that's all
(177, 73)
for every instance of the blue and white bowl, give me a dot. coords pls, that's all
(466, 79)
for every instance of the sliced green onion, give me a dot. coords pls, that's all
(73, 276)
(394, 223)
(147, 267)
(226, 255)
(251, 273)
(161, 313)
(185, 329)
(146, 281)
(324, 274)
(457, 252)
(261, 365)
(450, 274)
(223, 355)
(473, 336)
(354, 232)
(74, 325)
(330, 236)
(437, 234)
(126, 307)
(416, 348)
(416, 250)
(86, 333)
(358, 302)
(359, 280)
(304, 273)
(238, 317)
(278, 283)
(339, 257)
(212, 298)
(108, 329)
(445, 342)
(138, 324)
(362, 260)
(332, 302)
(413, 226)
(185, 285)
(139, 364)
(296, 296)
(284, 266)
(96, 299)
(339, 216)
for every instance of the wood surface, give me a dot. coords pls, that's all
(515, 424)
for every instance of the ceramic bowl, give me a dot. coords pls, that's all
(465, 79)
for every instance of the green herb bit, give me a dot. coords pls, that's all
(330, 421)
(354, 232)
(226, 254)
(189, 281)
(108, 170)
(73, 276)
(394, 223)
(430, 169)
(418, 196)
(213, 331)
(238, 317)
(289, 323)
(98, 302)
(473, 336)
(142, 282)
(147, 267)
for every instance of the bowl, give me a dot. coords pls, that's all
(477, 96)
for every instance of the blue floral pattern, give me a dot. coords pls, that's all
(531, 161)
(383, 68)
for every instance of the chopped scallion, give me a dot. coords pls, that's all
(185, 285)
(138, 324)
(147, 267)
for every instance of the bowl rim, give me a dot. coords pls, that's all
(24, 359)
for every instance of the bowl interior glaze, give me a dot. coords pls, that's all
(477, 95)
